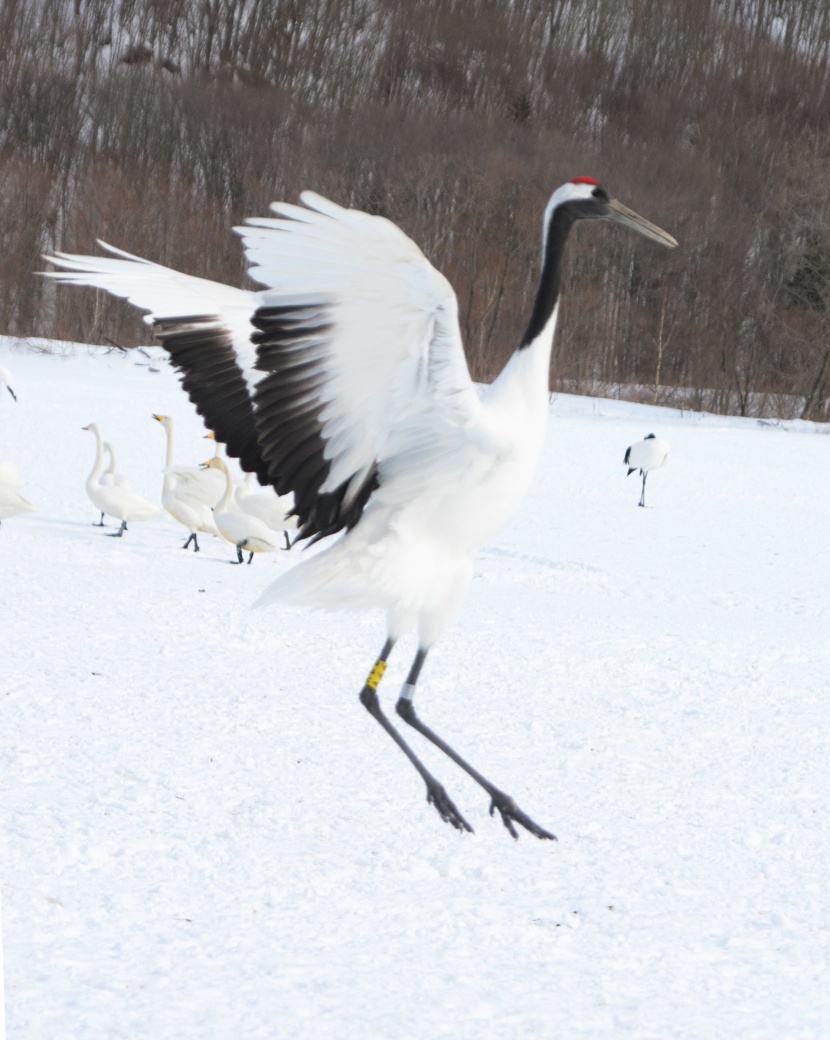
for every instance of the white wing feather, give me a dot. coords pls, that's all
(162, 291)
(393, 362)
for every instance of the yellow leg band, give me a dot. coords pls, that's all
(376, 674)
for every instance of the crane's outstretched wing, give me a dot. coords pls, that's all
(354, 368)
(358, 336)
(205, 326)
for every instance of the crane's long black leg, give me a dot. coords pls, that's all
(287, 540)
(195, 541)
(120, 531)
(436, 795)
(507, 807)
(643, 493)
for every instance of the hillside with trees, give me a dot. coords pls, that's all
(157, 126)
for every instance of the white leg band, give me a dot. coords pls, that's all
(407, 692)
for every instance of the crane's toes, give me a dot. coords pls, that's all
(437, 796)
(510, 813)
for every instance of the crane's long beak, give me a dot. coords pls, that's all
(623, 215)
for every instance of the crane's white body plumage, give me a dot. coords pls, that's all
(120, 502)
(648, 454)
(450, 481)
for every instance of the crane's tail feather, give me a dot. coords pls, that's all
(329, 580)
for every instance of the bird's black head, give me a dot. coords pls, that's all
(583, 198)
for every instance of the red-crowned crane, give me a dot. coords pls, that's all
(345, 382)
(650, 453)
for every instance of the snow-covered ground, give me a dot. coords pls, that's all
(205, 836)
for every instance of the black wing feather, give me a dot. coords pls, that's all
(288, 402)
(201, 348)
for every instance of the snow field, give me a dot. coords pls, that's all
(206, 836)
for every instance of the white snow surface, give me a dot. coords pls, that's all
(206, 836)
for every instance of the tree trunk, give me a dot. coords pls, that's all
(817, 392)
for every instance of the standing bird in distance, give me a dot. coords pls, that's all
(240, 529)
(648, 454)
(111, 499)
(6, 379)
(185, 493)
(206, 485)
(185, 496)
(274, 511)
(265, 505)
(345, 382)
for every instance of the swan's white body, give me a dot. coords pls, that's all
(344, 381)
(264, 504)
(193, 481)
(185, 494)
(120, 502)
(240, 529)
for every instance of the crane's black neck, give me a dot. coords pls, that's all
(562, 220)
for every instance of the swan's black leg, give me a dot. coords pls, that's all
(239, 557)
(120, 531)
(250, 557)
(643, 493)
(287, 540)
(195, 541)
(100, 522)
(509, 810)
(436, 795)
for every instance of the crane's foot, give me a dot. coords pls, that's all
(437, 796)
(511, 813)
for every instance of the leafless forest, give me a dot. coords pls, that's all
(159, 124)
